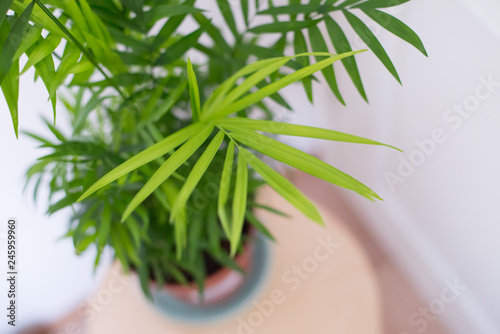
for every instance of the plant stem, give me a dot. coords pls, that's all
(86, 52)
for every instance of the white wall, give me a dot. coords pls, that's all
(442, 222)
(52, 279)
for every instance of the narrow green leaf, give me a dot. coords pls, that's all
(341, 45)
(159, 12)
(259, 226)
(46, 70)
(137, 6)
(10, 89)
(170, 101)
(283, 187)
(94, 22)
(148, 155)
(38, 16)
(69, 60)
(194, 92)
(270, 209)
(179, 48)
(318, 44)
(220, 93)
(380, 3)
(239, 203)
(244, 8)
(4, 7)
(169, 167)
(348, 3)
(104, 227)
(396, 27)
(300, 46)
(14, 40)
(372, 42)
(170, 27)
(283, 27)
(227, 13)
(294, 130)
(29, 39)
(253, 80)
(214, 32)
(302, 161)
(277, 85)
(225, 186)
(145, 279)
(133, 227)
(196, 174)
(42, 50)
(297, 9)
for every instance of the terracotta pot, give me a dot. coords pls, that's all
(219, 286)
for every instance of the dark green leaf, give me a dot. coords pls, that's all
(297, 9)
(14, 40)
(300, 46)
(227, 13)
(10, 88)
(179, 48)
(341, 45)
(396, 27)
(244, 8)
(318, 44)
(105, 226)
(161, 11)
(380, 3)
(4, 7)
(372, 42)
(282, 27)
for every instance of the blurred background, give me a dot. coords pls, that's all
(439, 224)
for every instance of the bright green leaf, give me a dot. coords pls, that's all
(294, 130)
(302, 161)
(145, 156)
(239, 203)
(169, 167)
(194, 92)
(196, 174)
(225, 186)
(283, 187)
(278, 85)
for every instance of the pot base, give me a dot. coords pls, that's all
(256, 276)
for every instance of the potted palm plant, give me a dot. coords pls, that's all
(165, 156)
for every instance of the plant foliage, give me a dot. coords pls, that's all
(165, 155)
